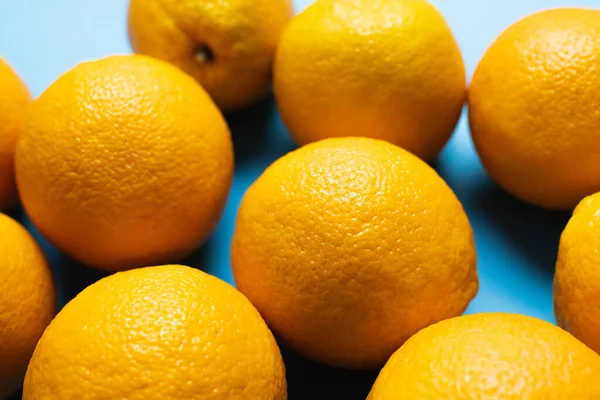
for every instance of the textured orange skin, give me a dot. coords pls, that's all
(577, 278)
(389, 70)
(533, 108)
(349, 246)
(125, 161)
(27, 302)
(157, 333)
(490, 356)
(242, 34)
(14, 105)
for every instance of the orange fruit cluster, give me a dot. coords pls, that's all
(351, 250)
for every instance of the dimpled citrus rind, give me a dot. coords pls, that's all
(490, 356)
(227, 46)
(349, 246)
(168, 333)
(14, 105)
(125, 161)
(533, 104)
(27, 301)
(389, 70)
(577, 278)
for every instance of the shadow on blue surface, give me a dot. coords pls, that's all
(258, 134)
(249, 130)
(74, 277)
(533, 231)
(17, 396)
(516, 242)
(310, 380)
(198, 258)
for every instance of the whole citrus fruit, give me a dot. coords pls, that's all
(14, 105)
(533, 107)
(389, 70)
(490, 356)
(577, 278)
(349, 246)
(124, 162)
(27, 302)
(228, 46)
(157, 333)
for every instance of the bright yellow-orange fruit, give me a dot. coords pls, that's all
(27, 302)
(349, 246)
(490, 356)
(227, 45)
(14, 105)
(384, 69)
(577, 278)
(533, 108)
(157, 333)
(125, 161)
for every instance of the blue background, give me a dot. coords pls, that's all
(516, 243)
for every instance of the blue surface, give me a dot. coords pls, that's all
(516, 243)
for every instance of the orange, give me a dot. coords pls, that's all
(533, 107)
(14, 105)
(490, 356)
(227, 45)
(384, 69)
(27, 302)
(157, 333)
(577, 278)
(349, 246)
(125, 161)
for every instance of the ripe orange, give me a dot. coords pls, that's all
(125, 161)
(533, 107)
(27, 302)
(14, 105)
(384, 69)
(228, 46)
(490, 356)
(577, 278)
(349, 246)
(158, 333)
